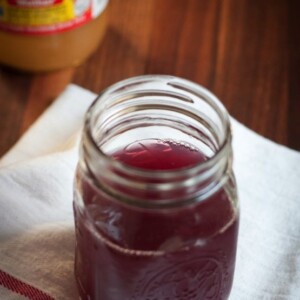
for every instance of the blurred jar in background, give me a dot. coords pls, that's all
(45, 35)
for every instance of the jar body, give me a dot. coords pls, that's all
(51, 51)
(188, 264)
(184, 249)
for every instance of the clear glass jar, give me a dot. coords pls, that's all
(156, 209)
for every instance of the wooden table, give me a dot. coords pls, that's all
(246, 51)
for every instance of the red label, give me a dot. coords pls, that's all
(47, 16)
(33, 3)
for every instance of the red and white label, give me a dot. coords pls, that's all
(47, 16)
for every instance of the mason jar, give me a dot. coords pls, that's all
(156, 208)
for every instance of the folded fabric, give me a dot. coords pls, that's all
(36, 217)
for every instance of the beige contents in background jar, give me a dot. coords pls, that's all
(45, 35)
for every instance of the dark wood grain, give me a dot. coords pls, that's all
(246, 51)
(293, 81)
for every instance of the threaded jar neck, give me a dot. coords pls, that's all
(157, 107)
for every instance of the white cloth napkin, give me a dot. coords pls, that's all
(36, 217)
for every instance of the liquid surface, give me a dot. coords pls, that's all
(133, 254)
(155, 154)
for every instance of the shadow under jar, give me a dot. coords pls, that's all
(155, 206)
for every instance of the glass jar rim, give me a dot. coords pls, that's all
(199, 91)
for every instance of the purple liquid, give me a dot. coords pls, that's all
(125, 253)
